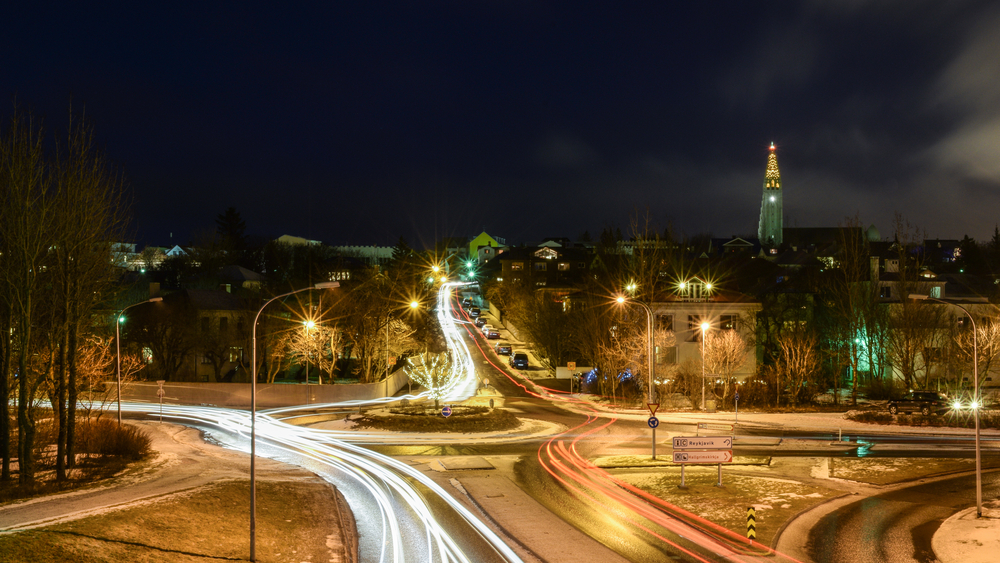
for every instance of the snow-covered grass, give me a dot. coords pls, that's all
(775, 500)
(885, 471)
(664, 459)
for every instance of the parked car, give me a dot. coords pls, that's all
(480, 321)
(503, 349)
(474, 312)
(924, 402)
(486, 328)
(492, 333)
(519, 360)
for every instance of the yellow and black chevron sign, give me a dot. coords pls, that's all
(752, 523)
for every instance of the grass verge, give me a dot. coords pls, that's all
(889, 470)
(665, 460)
(775, 500)
(295, 522)
(419, 419)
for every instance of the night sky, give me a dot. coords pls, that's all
(358, 122)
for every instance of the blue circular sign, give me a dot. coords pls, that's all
(653, 422)
(737, 396)
(446, 411)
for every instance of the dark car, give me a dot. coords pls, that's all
(924, 402)
(492, 333)
(466, 303)
(519, 360)
(474, 311)
(503, 349)
(480, 321)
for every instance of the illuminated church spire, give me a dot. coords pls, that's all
(769, 228)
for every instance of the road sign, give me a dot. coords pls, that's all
(752, 523)
(653, 422)
(736, 396)
(160, 393)
(703, 442)
(715, 426)
(486, 381)
(446, 411)
(716, 456)
(571, 366)
(652, 408)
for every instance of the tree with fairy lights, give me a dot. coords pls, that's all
(433, 372)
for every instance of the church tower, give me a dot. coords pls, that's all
(769, 228)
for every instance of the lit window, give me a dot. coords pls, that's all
(517, 265)
(563, 266)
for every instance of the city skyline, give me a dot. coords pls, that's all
(359, 124)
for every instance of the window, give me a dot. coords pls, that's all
(223, 325)
(540, 266)
(235, 354)
(563, 266)
(666, 355)
(206, 359)
(204, 324)
(517, 265)
(935, 292)
(728, 322)
(885, 292)
(664, 322)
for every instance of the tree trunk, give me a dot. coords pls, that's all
(72, 351)
(59, 404)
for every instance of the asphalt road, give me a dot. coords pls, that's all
(896, 526)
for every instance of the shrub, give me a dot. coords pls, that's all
(105, 438)
(876, 417)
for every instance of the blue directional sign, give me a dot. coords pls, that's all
(653, 422)
(737, 396)
(446, 411)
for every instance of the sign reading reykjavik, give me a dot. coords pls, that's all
(703, 442)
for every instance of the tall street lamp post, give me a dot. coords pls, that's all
(118, 349)
(975, 393)
(649, 354)
(704, 328)
(253, 414)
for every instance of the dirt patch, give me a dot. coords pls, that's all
(296, 522)
(418, 419)
(775, 500)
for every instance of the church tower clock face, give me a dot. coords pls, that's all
(770, 226)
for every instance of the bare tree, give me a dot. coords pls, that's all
(433, 372)
(725, 352)
(797, 361)
(27, 207)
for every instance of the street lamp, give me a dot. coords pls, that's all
(649, 329)
(253, 414)
(704, 328)
(118, 349)
(975, 393)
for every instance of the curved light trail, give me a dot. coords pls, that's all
(402, 527)
(627, 508)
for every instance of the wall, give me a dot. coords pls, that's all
(269, 395)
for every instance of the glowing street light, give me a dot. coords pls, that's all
(975, 393)
(253, 414)
(118, 349)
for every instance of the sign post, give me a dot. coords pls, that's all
(653, 423)
(736, 397)
(160, 393)
(703, 449)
